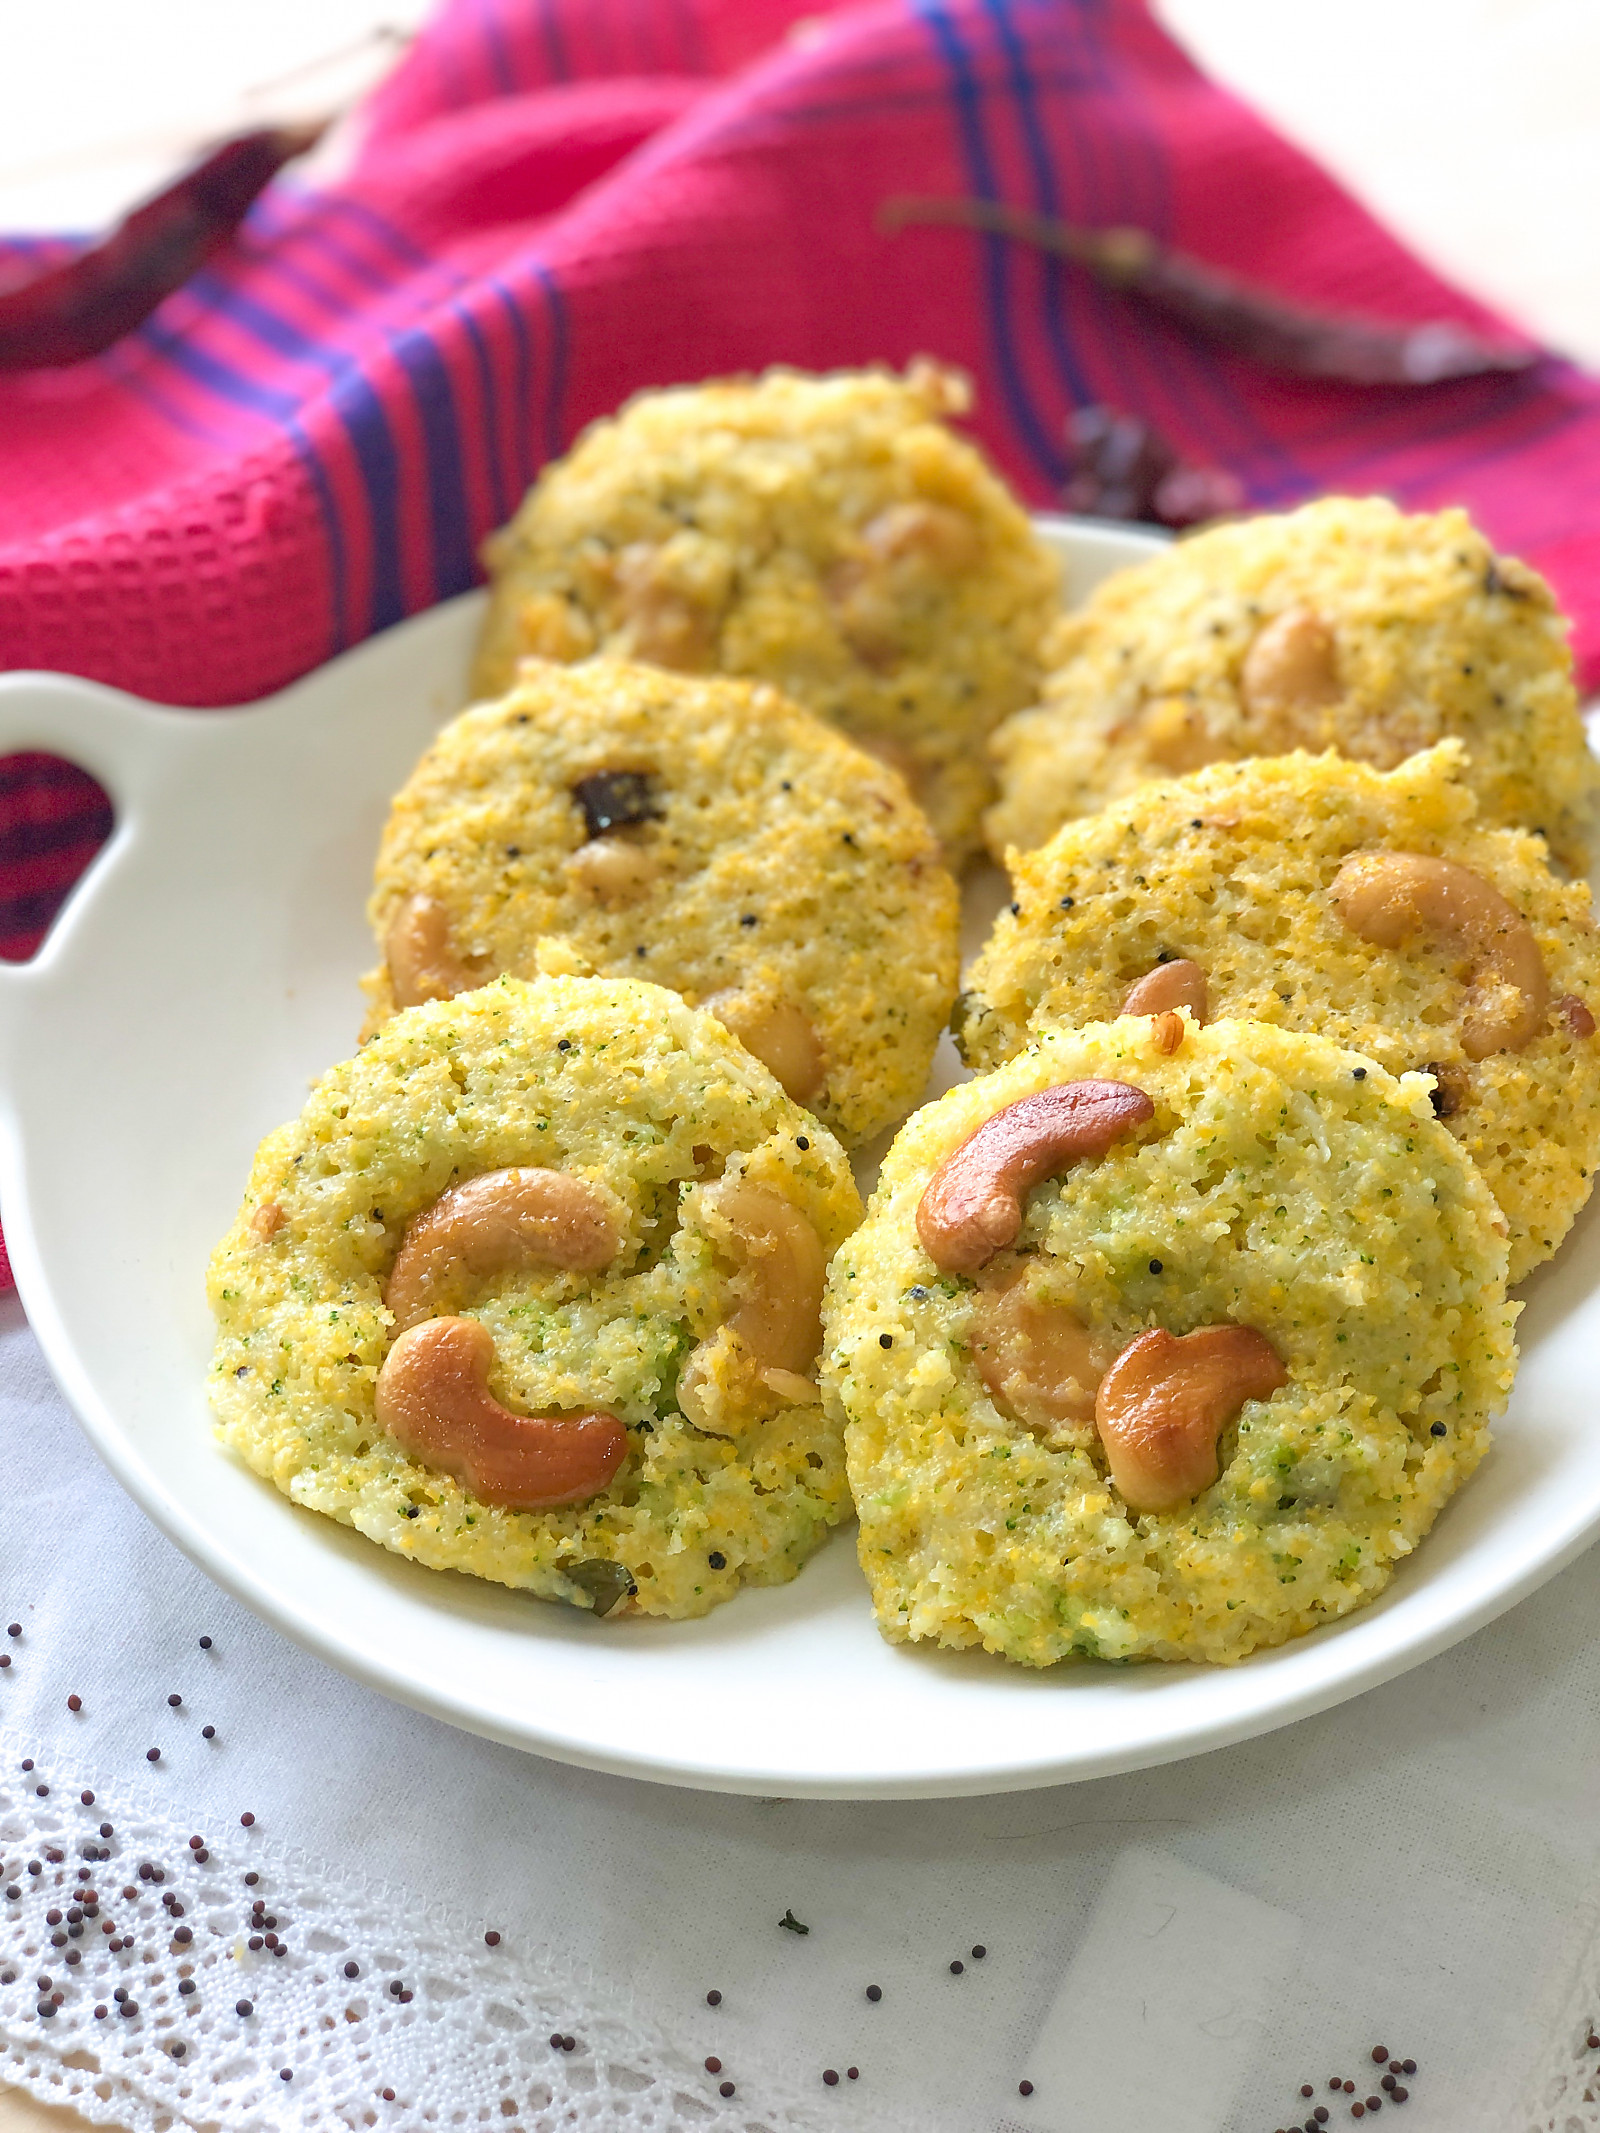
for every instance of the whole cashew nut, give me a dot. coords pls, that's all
(1038, 1361)
(433, 1398)
(423, 964)
(973, 1205)
(1291, 666)
(1385, 897)
(1167, 1399)
(774, 1331)
(503, 1218)
(780, 1035)
(1166, 988)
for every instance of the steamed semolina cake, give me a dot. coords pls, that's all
(1218, 1382)
(1341, 625)
(1246, 872)
(704, 833)
(478, 1289)
(830, 535)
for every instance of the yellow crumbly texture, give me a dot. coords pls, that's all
(1435, 636)
(783, 865)
(620, 1083)
(1232, 868)
(830, 535)
(1273, 1189)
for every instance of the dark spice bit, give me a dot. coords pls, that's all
(852, 2073)
(1247, 320)
(205, 1644)
(173, 1702)
(74, 1703)
(725, 2088)
(208, 1732)
(874, 1992)
(1024, 2088)
(612, 799)
(830, 2075)
(717, 1560)
(790, 1924)
(713, 1999)
(713, 2066)
(152, 1755)
(956, 1969)
(491, 1940)
(83, 306)
(980, 1951)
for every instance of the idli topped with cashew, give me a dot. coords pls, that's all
(1343, 625)
(703, 833)
(830, 535)
(532, 1288)
(1323, 895)
(1162, 1342)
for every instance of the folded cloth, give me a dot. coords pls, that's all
(556, 202)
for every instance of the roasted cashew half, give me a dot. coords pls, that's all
(1167, 1399)
(1385, 897)
(1038, 1361)
(1167, 987)
(767, 1346)
(973, 1205)
(423, 963)
(433, 1398)
(503, 1218)
(780, 1035)
(1291, 667)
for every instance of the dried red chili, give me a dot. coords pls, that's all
(1119, 467)
(1246, 320)
(81, 307)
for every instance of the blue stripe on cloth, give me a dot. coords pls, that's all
(556, 384)
(179, 353)
(408, 253)
(494, 44)
(555, 45)
(489, 389)
(1031, 429)
(338, 568)
(432, 394)
(267, 326)
(143, 388)
(522, 384)
(363, 418)
(1046, 196)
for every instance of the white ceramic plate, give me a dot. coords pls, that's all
(205, 971)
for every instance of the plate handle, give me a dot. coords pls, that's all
(125, 744)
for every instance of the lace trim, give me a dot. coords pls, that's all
(435, 2027)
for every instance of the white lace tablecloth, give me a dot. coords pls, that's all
(1173, 1952)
